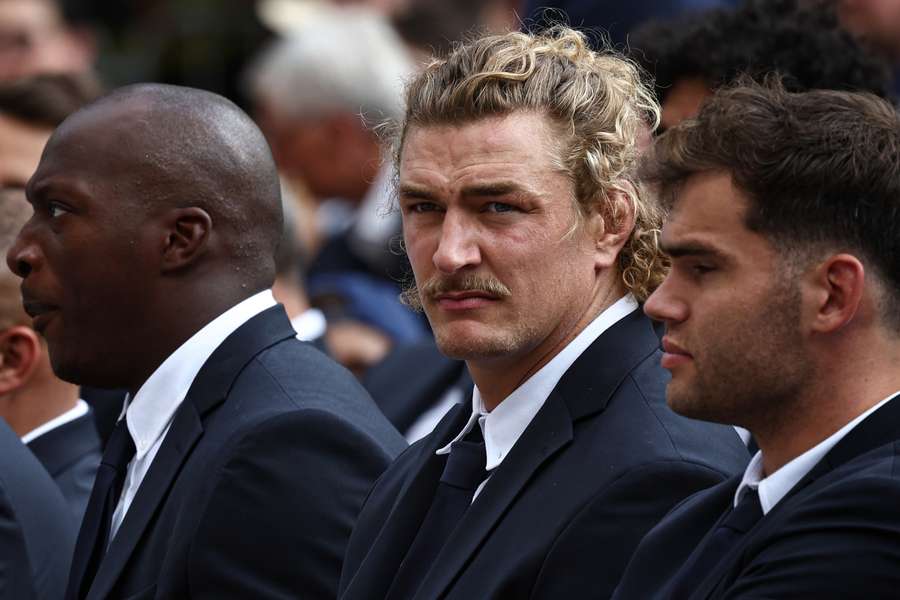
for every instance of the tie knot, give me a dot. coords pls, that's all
(746, 513)
(120, 448)
(465, 466)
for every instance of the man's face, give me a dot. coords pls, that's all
(875, 20)
(20, 151)
(83, 254)
(490, 229)
(34, 39)
(732, 342)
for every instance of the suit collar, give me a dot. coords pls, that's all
(878, 429)
(209, 388)
(60, 447)
(583, 390)
(592, 380)
(409, 509)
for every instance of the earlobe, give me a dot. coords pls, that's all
(20, 351)
(611, 231)
(840, 282)
(187, 237)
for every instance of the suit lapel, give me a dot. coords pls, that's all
(406, 515)
(207, 391)
(880, 428)
(585, 389)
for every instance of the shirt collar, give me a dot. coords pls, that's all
(151, 410)
(773, 488)
(80, 409)
(503, 426)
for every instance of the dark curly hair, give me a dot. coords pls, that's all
(802, 41)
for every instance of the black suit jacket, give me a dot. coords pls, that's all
(412, 379)
(36, 532)
(836, 534)
(71, 454)
(602, 461)
(257, 484)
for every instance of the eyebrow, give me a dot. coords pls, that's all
(492, 189)
(678, 250)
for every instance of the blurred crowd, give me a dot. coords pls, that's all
(322, 79)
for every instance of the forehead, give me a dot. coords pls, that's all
(21, 145)
(516, 144)
(709, 212)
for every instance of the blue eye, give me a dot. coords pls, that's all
(499, 207)
(422, 207)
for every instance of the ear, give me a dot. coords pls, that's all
(188, 231)
(610, 231)
(20, 353)
(837, 291)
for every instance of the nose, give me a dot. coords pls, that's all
(23, 256)
(458, 246)
(665, 305)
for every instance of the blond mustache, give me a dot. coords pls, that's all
(412, 296)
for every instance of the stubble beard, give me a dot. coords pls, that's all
(754, 374)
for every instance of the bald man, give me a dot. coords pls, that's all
(244, 455)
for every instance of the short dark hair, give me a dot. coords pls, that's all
(820, 169)
(801, 40)
(46, 100)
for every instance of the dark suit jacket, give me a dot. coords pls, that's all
(71, 454)
(412, 379)
(257, 484)
(36, 532)
(602, 461)
(836, 534)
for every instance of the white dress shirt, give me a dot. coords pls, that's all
(149, 414)
(309, 325)
(773, 488)
(80, 409)
(503, 426)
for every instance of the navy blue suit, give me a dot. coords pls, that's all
(602, 461)
(259, 480)
(836, 534)
(71, 453)
(37, 533)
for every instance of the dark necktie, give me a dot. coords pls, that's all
(93, 538)
(463, 472)
(708, 554)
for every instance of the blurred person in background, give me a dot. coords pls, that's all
(875, 22)
(318, 93)
(36, 37)
(43, 410)
(804, 43)
(532, 246)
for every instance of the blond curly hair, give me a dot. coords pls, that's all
(597, 100)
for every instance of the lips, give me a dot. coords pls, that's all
(464, 300)
(673, 354)
(40, 312)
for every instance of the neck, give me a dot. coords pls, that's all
(499, 376)
(29, 408)
(838, 392)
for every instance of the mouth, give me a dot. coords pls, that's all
(40, 312)
(464, 300)
(673, 354)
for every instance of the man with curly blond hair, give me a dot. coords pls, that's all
(532, 245)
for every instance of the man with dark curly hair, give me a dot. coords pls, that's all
(802, 41)
(532, 245)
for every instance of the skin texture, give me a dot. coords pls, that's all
(731, 311)
(112, 183)
(877, 21)
(483, 205)
(791, 346)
